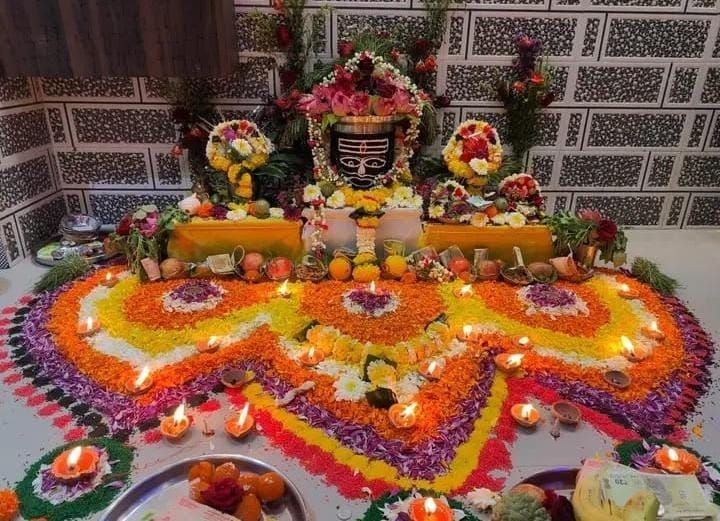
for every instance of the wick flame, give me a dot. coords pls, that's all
(431, 368)
(627, 345)
(430, 506)
(409, 410)
(179, 414)
(526, 411)
(523, 340)
(243, 414)
(515, 360)
(311, 352)
(371, 287)
(654, 326)
(466, 290)
(89, 323)
(212, 341)
(673, 454)
(283, 289)
(624, 287)
(74, 456)
(467, 330)
(108, 276)
(142, 377)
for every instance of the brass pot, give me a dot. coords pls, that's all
(585, 254)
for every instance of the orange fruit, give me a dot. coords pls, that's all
(249, 508)
(491, 211)
(226, 471)
(271, 486)
(197, 487)
(248, 482)
(340, 268)
(203, 470)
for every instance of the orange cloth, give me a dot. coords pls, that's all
(195, 241)
(534, 241)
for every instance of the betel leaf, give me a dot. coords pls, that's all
(381, 398)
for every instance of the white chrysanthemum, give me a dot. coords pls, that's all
(516, 220)
(242, 147)
(479, 166)
(312, 193)
(500, 219)
(416, 201)
(436, 211)
(403, 192)
(350, 388)
(408, 387)
(236, 215)
(336, 200)
(277, 213)
(482, 498)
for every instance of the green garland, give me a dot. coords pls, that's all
(120, 457)
(374, 513)
(627, 449)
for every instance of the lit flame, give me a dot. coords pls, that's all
(108, 276)
(673, 454)
(523, 340)
(212, 341)
(179, 415)
(466, 290)
(624, 287)
(431, 368)
(654, 326)
(74, 456)
(371, 287)
(89, 323)
(430, 506)
(467, 331)
(243, 414)
(526, 411)
(515, 360)
(283, 289)
(142, 376)
(409, 410)
(627, 345)
(311, 352)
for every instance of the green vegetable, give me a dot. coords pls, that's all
(649, 273)
(69, 268)
(519, 507)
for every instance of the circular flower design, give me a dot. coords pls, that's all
(473, 152)
(370, 303)
(192, 296)
(551, 300)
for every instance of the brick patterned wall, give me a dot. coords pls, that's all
(635, 131)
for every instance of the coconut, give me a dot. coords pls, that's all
(488, 270)
(173, 269)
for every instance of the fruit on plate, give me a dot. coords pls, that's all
(252, 261)
(248, 482)
(279, 268)
(203, 470)
(458, 264)
(395, 266)
(226, 471)
(271, 486)
(249, 508)
(340, 268)
(520, 506)
(197, 487)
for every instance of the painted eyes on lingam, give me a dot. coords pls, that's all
(362, 161)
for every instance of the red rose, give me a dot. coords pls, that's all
(421, 46)
(283, 103)
(518, 87)
(430, 63)
(537, 78)
(123, 227)
(284, 37)
(345, 49)
(525, 43)
(223, 495)
(606, 231)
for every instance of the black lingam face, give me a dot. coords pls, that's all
(362, 159)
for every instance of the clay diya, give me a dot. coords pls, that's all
(523, 342)
(110, 280)
(403, 415)
(210, 345)
(617, 378)
(76, 463)
(653, 332)
(509, 363)
(88, 328)
(431, 369)
(429, 509)
(176, 426)
(311, 357)
(525, 414)
(627, 292)
(677, 461)
(142, 383)
(464, 292)
(633, 352)
(236, 378)
(240, 426)
(566, 412)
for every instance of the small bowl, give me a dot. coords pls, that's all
(619, 379)
(236, 378)
(567, 412)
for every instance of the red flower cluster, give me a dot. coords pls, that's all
(224, 495)
(429, 64)
(605, 229)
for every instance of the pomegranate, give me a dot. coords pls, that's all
(279, 268)
(252, 262)
(459, 264)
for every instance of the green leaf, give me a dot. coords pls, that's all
(329, 120)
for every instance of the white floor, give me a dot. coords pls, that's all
(692, 256)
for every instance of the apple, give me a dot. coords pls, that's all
(459, 264)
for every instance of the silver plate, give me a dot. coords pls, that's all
(172, 480)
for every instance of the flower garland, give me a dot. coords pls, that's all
(473, 152)
(237, 147)
(329, 101)
(33, 505)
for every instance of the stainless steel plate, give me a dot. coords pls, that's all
(172, 482)
(561, 479)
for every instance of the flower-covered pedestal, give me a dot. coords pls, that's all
(534, 241)
(195, 241)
